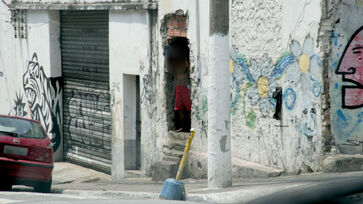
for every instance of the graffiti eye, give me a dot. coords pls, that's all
(305, 111)
(313, 110)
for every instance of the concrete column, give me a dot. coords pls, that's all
(219, 137)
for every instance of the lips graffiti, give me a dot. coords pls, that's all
(351, 69)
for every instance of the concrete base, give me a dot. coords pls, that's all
(161, 170)
(343, 163)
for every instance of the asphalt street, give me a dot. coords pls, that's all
(309, 188)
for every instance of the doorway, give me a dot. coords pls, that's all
(132, 122)
(178, 65)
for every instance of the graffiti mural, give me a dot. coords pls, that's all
(308, 124)
(351, 68)
(298, 66)
(292, 84)
(91, 118)
(19, 106)
(44, 99)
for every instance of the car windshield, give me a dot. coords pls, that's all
(21, 128)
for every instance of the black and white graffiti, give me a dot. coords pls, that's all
(89, 122)
(19, 106)
(44, 99)
(148, 98)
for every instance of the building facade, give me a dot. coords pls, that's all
(94, 73)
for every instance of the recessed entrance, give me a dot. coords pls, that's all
(177, 60)
(132, 131)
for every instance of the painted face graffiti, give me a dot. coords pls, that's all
(19, 108)
(351, 69)
(308, 124)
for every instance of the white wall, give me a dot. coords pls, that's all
(129, 54)
(8, 68)
(39, 52)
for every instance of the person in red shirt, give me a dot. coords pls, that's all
(178, 62)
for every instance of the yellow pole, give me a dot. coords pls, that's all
(185, 155)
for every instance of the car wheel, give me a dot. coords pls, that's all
(5, 187)
(44, 187)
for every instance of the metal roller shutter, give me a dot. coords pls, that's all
(86, 99)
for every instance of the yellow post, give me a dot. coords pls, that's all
(185, 155)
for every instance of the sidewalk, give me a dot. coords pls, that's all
(73, 179)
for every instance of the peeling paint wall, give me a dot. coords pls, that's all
(273, 44)
(346, 72)
(197, 13)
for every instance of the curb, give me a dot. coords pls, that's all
(228, 196)
(121, 194)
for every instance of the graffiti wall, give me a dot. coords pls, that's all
(276, 85)
(346, 86)
(40, 99)
(43, 96)
(253, 84)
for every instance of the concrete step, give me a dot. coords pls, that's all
(133, 174)
(177, 145)
(343, 163)
(172, 152)
(172, 159)
(162, 170)
(183, 136)
(248, 169)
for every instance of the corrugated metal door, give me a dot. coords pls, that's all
(86, 99)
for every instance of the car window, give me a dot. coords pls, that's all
(21, 128)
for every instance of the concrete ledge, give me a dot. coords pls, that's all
(247, 169)
(198, 167)
(343, 163)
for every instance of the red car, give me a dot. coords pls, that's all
(26, 154)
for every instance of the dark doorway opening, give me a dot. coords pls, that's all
(132, 121)
(178, 65)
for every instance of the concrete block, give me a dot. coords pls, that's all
(162, 170)
(343, 163)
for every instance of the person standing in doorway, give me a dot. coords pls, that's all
(178, 61)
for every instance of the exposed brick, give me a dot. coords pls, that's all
(177, 26)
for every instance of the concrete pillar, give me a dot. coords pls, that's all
(219, 137)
